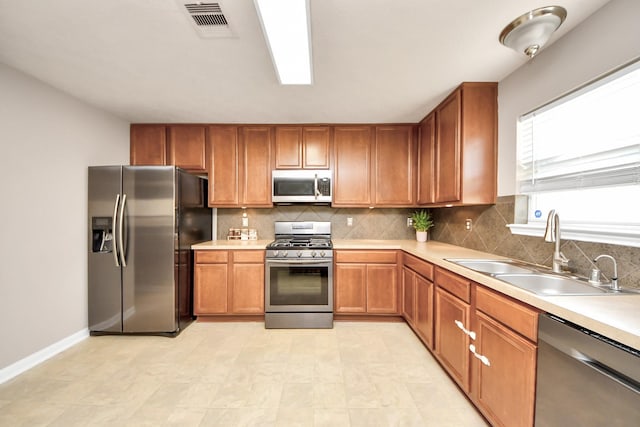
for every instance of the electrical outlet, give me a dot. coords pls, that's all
(245, 222)
(349, 222)
(467, 224)
(409, 222)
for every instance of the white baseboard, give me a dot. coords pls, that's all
(38, 357)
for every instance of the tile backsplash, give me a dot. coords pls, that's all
(489, 233)
(386, 224)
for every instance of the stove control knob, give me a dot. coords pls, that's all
(276, 253)
(299, 253)
(322, 253)
(285, 253)
(313, 254)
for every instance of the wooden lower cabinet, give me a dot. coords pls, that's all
(382, 289)
(506, 334)
(366, 282)
(452, 344)
(247, 290)
(350, 295)
(424, 310)
(408, 296)
(229, 282)
(486, 341)
(504, 390)
(417, 297)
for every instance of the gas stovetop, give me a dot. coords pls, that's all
(298, 239)
(316, 242)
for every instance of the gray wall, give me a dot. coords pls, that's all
(607, 39)
(48, 140)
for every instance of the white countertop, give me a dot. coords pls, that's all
(230, 245)
(615, 316)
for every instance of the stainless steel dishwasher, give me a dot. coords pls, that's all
(585, 379)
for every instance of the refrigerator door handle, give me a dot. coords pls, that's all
(113, 228)
(121, 231)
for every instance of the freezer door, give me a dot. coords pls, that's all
(148, 284)
(104, 274)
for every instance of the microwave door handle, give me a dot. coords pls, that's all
(315, 186)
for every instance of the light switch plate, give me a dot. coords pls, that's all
(349, 222)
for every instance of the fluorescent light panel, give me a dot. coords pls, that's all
(286, 27)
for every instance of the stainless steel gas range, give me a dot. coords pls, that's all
(299, 276)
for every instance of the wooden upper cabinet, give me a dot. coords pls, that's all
(288, 147)
(394, 169)
(181, 145)
(148, 145)
(224, 179)
(240, 166)
(316, 147)
(447, 153)
(299, 147)
(186, 147)
(465, 151)
(352, 166)
(425, 173)
(255, 166)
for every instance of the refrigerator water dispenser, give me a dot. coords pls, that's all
(102, 236)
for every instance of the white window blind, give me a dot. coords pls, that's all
(587, 139)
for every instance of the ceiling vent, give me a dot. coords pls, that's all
(207, 19)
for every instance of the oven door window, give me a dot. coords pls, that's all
(299, 285)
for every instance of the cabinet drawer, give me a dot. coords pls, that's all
(419, 266)
(248, 256)
(513, 314)
(211, 257)
(367, 257)
(457, 285)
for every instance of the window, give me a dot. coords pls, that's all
(580, 155)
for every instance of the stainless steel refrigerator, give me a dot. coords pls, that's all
(142, 223)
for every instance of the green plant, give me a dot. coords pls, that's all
(422, 220)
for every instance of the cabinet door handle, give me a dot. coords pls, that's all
(483, 359)
(460, 325)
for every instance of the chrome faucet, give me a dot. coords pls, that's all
(614, 279)
(552, 234)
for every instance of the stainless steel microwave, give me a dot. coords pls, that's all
(301, 186)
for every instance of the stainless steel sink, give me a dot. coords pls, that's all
(549, 284)
(536, 279)
(493, 266)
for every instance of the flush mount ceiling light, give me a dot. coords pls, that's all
(287, 28)
(529, 32)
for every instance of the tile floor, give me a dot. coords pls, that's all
(239, 374)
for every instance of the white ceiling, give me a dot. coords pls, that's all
(374, 60)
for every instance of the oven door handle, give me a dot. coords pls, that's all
(299, 261)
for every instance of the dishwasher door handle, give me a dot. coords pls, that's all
(613, 375)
